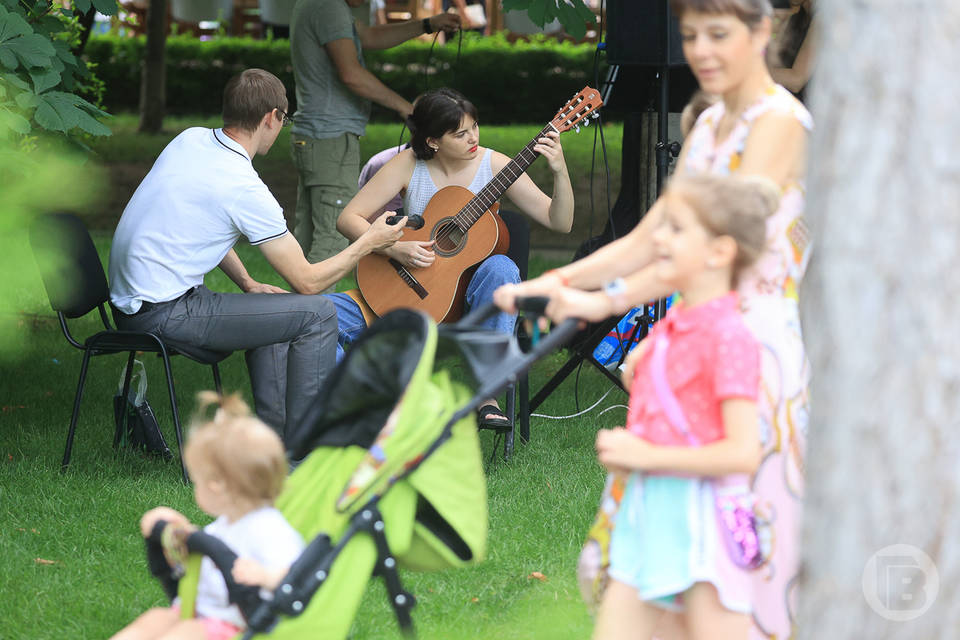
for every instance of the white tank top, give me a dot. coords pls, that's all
(421, 187)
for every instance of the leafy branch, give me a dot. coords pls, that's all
(574, 15)
(39, 75)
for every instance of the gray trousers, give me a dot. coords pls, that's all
(290, 340)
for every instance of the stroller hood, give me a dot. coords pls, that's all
(387, 398)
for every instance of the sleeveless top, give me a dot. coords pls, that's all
(780, 268)
(421, 187)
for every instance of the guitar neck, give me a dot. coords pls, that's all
(500, 182)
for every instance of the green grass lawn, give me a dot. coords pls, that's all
(73, 564)
(127, 157)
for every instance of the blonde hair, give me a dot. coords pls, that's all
(749, 12)
(734, 206)
(237, 448)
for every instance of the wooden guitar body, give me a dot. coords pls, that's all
(437, 290)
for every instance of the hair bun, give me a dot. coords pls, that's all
(231, 406)
(766, 192)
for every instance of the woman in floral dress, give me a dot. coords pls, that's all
(756, 128)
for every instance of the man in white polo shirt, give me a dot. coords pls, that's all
(201, 195)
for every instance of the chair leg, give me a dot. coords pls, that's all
(176, 414)
(216, 379)
(523, 388)
(76, 411)
(508, 439)
(121, 428)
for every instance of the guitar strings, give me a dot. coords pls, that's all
(474, 209)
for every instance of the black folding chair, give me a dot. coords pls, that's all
(76, 285)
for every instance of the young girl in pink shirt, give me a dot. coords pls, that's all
(692, 435)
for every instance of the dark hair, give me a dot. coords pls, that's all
(249, 95)
(435, 113)
(749, 12)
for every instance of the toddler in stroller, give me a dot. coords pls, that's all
(238, 468)
(391, 473)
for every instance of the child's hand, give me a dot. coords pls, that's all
(250, 572)
(619, 450)
(151, 517)
(630, 364)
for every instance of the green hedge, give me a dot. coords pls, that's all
(519, 82)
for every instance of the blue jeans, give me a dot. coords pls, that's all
(492, 272)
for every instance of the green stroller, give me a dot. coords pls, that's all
(391, 476)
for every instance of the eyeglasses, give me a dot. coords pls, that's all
(285, 120)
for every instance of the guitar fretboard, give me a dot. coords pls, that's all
(499, 183)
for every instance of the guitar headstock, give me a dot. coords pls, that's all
(576, 109)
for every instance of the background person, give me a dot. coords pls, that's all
(201, 195)
(791, 57)
(757, 128)
(334, 92)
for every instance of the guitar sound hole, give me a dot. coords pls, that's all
(449, 238)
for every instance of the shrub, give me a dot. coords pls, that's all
(519, 82)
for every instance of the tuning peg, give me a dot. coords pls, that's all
(595, 115)
(586, 122)
(577, 128)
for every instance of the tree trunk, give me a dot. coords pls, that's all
(153, 79)
(881, 310)
(86, 25)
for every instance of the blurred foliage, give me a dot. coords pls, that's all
(522, 81)
(55, 177)
(40, 78)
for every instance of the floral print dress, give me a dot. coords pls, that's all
(768, 294)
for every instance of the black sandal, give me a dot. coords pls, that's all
(491, 417)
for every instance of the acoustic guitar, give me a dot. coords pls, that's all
(466, 231)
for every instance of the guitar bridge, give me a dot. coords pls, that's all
(408, 278)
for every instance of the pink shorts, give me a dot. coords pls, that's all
(216, 629)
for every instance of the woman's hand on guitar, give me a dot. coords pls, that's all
(415, 254)
(381, 235)
(549, 147)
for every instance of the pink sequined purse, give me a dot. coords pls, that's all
(735, 503)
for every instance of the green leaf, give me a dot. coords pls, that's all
(106, 7)
(92, 126)
(66, 111)
(81, 6)
(14, 121)
(48, 118)
(585, 13)
(44, 79)
(9, 78)
(538, 11)
(12, 25)
(64, 53)
(7, 59)
(571, 21)
(27, 100)
(33, 50)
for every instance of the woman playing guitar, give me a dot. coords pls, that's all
(445, 151)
